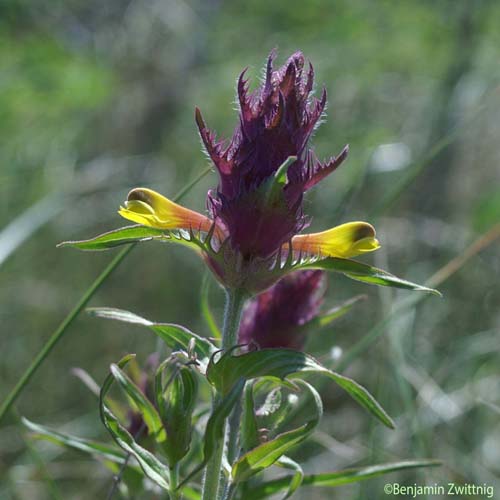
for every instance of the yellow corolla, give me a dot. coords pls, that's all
(149, 208)
(344, 241)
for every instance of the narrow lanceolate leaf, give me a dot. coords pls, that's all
(332, 479)
(297, 477)
(363, 272)
(268, 453)
(117, 237)
(151, 466)
(214, 433)
(174, 336)
(136, 234)
(141, 404)
(283, 363)
(94, 448)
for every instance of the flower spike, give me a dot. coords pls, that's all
(264, 170)
(251, 238)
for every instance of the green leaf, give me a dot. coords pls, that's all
(141, 404)
(135, 234)
(87, 446)
(296, 479)
(175, 336)
(249, 436)
(332, 479)
(214, 432)
(152, 467)
(117, 237)
(283, 363)
(268, 453)
(175, 392)
(363, 272)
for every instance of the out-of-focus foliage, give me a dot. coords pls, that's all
(98, 97)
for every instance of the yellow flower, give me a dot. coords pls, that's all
(149, 208)
(152, 209)
(344, 241)
(254, 232)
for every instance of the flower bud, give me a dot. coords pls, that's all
(277, 317)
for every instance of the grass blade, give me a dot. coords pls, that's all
(60, 331)
(88, 294)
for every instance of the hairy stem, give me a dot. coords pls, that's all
(235, 300)
(214, 481)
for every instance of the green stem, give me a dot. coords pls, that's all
(174, 481)
(214, 481)
(59, 332)
(235, 300)
(213, 472)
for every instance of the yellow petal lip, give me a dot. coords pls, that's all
(149, 208)
(344, 241)
(139, 207)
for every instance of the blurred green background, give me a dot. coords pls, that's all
(97, 97)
